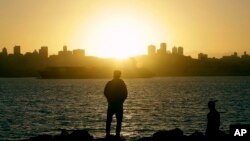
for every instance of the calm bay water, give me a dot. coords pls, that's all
(29, 106)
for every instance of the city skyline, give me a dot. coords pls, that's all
(157, 62)
(151, 51)
(123, 28)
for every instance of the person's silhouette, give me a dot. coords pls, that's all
(116, 92)
(213, 120)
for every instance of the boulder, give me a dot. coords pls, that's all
(64, 136)
(175, 134)
(80, 135)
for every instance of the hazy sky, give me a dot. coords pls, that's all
(215, 27)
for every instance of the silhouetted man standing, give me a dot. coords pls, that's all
(213, 121)
(116, 92)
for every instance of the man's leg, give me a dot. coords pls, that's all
(119, 116)
(110, 113)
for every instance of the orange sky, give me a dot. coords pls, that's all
(113, 28)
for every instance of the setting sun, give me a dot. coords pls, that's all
(121, 41)
(116, 36)
(119, 33)
(121, 38)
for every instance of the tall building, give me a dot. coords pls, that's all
(245, 55)
(202, 56)
(65, 52)
(64, 48)
(151, 50)
(163, 49)
(4, 52)
(79, 52)
(235, 54)
(17, 50)
(180, 51)
(174, 50)
(43, 51)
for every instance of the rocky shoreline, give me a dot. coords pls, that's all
(162, 135)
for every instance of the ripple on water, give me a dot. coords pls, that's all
(33, 106)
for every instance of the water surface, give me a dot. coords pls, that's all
(29, 106)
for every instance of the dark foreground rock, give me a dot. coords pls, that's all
(163, 135)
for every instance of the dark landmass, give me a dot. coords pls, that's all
(68, 64)
(83, 72)
(163, 135)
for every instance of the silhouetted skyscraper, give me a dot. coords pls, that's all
(245, 55)
(163, 49)
(65, 52)
(4, 52)
(64, 48)
(174, 50)
(235, 54)
(180, 51)
(43, 51)
(17, 50)
(151, 50)
(202, 56)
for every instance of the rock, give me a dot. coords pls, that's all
(175, 134)
(197, 136)
(163, 135)
(80, 135)
(64, 133)
(218, 135)
(64, 136)
(114, 138)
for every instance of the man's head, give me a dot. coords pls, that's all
(211, 105)
(117, 74)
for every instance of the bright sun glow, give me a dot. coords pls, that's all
(117, 34)
(112, 34)
(121, 40)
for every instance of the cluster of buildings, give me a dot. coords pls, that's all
(152, 51)
(66, 53)
(43, 52)
(163, 50)
(234, 56)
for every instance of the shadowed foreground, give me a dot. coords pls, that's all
(163, 135)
